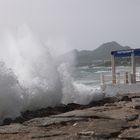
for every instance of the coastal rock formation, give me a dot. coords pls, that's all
(115, 118)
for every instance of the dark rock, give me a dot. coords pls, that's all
(126, 98)
(7, 121)
(137, 107)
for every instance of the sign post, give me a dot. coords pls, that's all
(113, 69)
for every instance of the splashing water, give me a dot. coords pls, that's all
(11, 94)
(30, 80)
(74, 92)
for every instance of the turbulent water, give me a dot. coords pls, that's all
(30, 78)
(91, 76)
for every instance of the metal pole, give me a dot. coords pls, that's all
(133, 68)
(113, 69)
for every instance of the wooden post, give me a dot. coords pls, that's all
(133, 68)
(113, 69)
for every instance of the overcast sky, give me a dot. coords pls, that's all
(80, 24)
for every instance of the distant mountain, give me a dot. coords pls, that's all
(87, 57)
(103, 52)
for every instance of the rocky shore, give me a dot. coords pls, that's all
(114, 118)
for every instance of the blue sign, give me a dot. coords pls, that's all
(126, 53)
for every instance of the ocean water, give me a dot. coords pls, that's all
(90, 79)
(80, 85)
(91, 76)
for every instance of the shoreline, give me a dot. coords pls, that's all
(114, 118)
(46, 112)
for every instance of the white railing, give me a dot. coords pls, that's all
(120, 78)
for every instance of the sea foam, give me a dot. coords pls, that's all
(30, 78)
